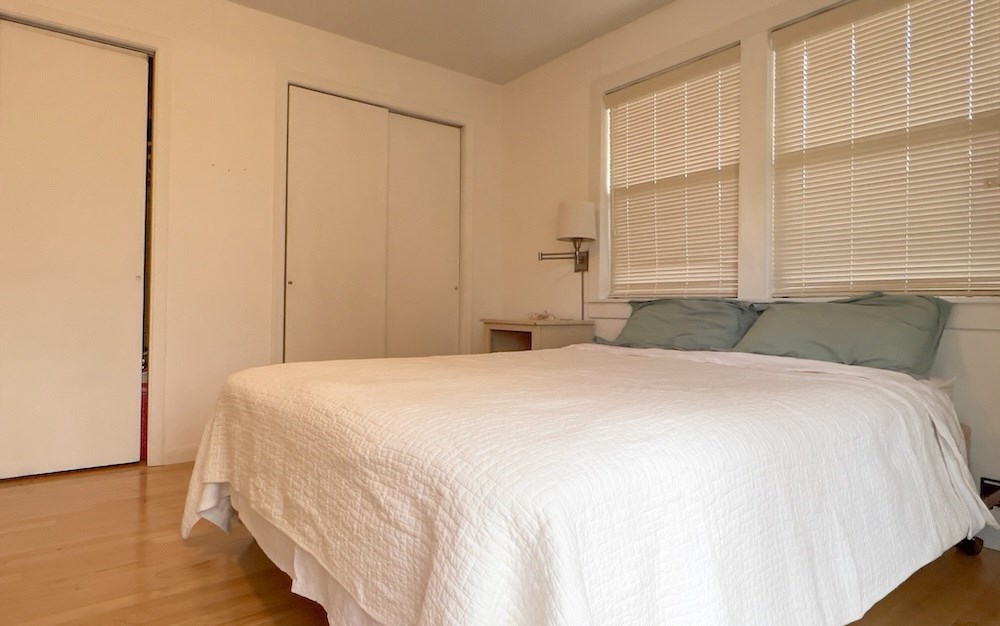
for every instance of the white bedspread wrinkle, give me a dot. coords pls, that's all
(594, 485)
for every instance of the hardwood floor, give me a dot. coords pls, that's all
(103, 547)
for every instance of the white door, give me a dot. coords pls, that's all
(335, 228)
(422, 297)
(372, 231)
(72, 209)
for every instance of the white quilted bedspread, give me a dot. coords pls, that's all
(594, 485)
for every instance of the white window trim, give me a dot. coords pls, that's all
(753, 36)
(642, 168)
(754, 185)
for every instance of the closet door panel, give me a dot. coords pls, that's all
(72, 210)
(423, 238)
(335, 229)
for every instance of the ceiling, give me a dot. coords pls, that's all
(497, 40)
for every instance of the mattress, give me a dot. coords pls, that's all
(595, 484)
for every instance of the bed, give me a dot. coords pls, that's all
(594, 484)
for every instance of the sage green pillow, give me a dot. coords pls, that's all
(686, 324)
(893, 332)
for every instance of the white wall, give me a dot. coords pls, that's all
(218, 182)
(552, 152)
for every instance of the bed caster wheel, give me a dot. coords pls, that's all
(972, 547)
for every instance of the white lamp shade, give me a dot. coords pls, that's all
(577, 220)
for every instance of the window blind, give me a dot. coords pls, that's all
(674, 172)
(887, 150)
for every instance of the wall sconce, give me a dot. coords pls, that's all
(577, 223)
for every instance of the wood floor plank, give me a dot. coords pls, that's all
(103, 547)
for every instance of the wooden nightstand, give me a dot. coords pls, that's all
(512, 335)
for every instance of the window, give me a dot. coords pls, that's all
(887, 150)
(674, 172)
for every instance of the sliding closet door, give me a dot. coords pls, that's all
(335, 228)
(72, 209)
(423, 256)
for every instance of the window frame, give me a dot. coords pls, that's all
(936, 126)
(755, 183)
(694, 69)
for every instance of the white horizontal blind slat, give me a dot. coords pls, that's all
(674, 172)
(887, 150)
